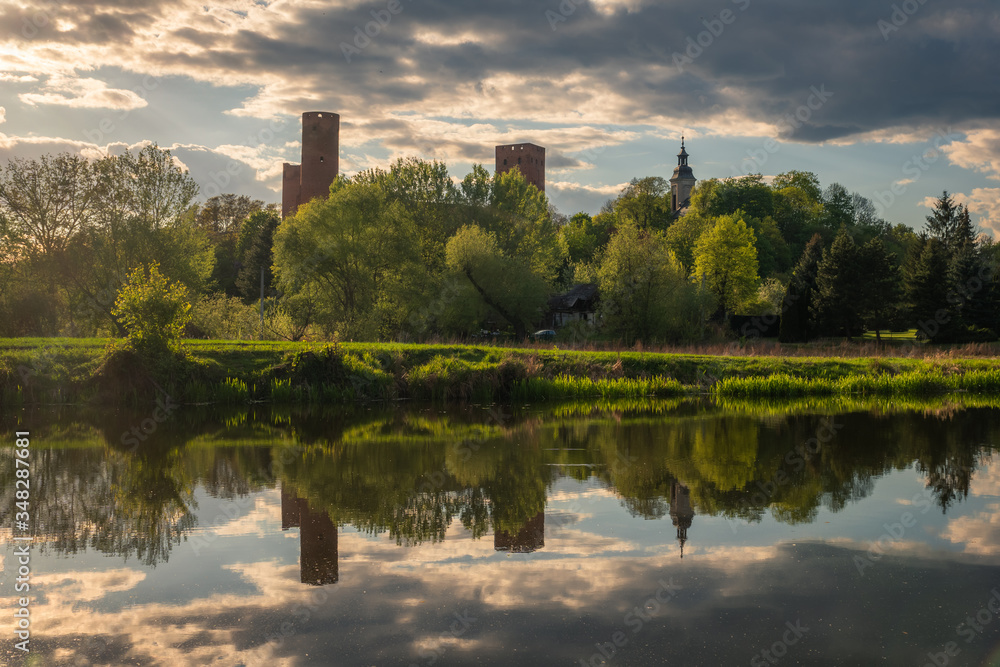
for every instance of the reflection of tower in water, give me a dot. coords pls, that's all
(681, 511)
(317, 539)
(530, 538)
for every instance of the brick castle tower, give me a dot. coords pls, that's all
(320, 162)
(529, 158)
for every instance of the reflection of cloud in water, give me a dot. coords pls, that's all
(258, 522)
(88, 586)
(979, 533)
(986, 480)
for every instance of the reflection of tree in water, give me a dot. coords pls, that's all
(412, 474)
(415, 488)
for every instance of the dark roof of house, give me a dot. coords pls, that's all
(581, 296)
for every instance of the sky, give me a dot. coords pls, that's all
(898, 101)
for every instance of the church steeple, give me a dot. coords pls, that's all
(682, 182)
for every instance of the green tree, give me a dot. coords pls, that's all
(141, 213)
(351, 261)
(508, 285)
(726, 258)
(878, 304)
(943, 222)
(152, 310)
(836, 303)
(646, 202)
(926, 286)
(797, 324)
(645, 294)
(222, 218)
(255, 249)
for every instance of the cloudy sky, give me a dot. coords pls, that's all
(874, 95)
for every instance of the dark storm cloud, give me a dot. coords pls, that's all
(934, 67)
(817, 71)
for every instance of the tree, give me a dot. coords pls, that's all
(836, 303)
(944, 222)
(726, 258)
(222, 218)
(645, 294)
(878, 304)
(646, 202)
(838, 207)
(926, 286)
(354, 257)
(507, 284)
(797, 324)
(140, 214)
(255, 249)
(152, 310)
(805, 181)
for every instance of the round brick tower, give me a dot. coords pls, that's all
(320, 153)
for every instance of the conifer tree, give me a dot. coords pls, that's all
(927, 288)
(880, 287)
(836, 299)
(796, 321)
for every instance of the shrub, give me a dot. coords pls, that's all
(152, 310)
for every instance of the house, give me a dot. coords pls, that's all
(577, 305)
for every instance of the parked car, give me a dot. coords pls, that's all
(544, 334)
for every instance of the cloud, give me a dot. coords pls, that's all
(980, 151)
(3, 115)
(83, 94)
(610, 62)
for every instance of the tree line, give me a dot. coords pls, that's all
(409, 253)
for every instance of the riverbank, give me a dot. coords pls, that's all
(237, 372)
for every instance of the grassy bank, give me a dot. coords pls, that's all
(229, 372)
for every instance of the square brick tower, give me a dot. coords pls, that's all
(529, 158)
(320, 162)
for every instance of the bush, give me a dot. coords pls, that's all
(152, 310)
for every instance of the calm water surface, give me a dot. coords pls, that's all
(683, 533)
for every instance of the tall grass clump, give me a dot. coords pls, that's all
(233, 391)
(569, 387)
(778, 385)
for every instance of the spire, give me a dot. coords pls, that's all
(682, 157)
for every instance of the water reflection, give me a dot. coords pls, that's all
(413, 473)
(318, 559)
(546, 526)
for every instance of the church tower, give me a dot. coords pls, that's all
(682, 182)
(681, 511)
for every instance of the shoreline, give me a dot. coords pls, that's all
(65, 370)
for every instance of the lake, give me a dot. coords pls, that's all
(637, 533)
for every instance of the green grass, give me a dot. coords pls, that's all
(235, 372)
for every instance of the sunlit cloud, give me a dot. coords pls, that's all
(83, 94)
